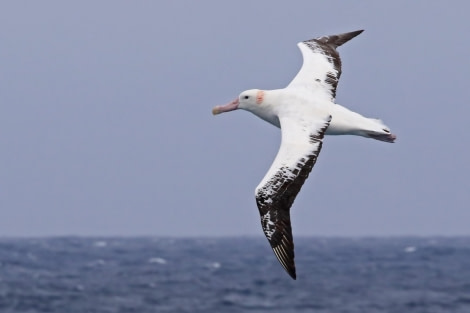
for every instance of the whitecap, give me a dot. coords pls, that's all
(410, 249)
(100, 244)
(157, 260)
(215, 265)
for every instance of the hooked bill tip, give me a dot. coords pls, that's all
(215, 111)
(225, 108)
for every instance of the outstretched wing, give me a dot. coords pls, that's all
(301, 143)
(322, 65)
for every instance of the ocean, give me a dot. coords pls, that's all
(334, 275)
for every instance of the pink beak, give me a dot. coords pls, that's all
(226, 108)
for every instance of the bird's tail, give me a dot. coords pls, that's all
(381, 132)
(382, 137)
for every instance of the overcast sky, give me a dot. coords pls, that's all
(106, 124)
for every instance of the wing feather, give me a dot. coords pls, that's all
(321, 68)
(300, 146)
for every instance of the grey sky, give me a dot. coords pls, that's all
(106, 125)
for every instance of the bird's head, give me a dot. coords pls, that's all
(249, 100)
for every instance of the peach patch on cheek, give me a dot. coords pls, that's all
(260, 97)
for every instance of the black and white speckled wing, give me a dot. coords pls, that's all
(300, 145)
(321, 68)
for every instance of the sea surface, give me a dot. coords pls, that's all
(367, 275)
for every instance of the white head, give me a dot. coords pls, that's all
(249, 100)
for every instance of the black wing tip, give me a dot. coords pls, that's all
(292, 274)
(357, 32)
(340, 39)
(286, 260)
(351, 35)
(337, 40)
(345, 37)
(290, 269)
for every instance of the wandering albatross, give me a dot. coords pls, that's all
(305, 111)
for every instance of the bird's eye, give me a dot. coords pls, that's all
(246, 97)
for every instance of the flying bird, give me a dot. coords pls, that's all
(305, 111)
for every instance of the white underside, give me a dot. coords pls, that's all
(347, 122)
(344, 121)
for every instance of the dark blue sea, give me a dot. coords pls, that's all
(367, 275)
